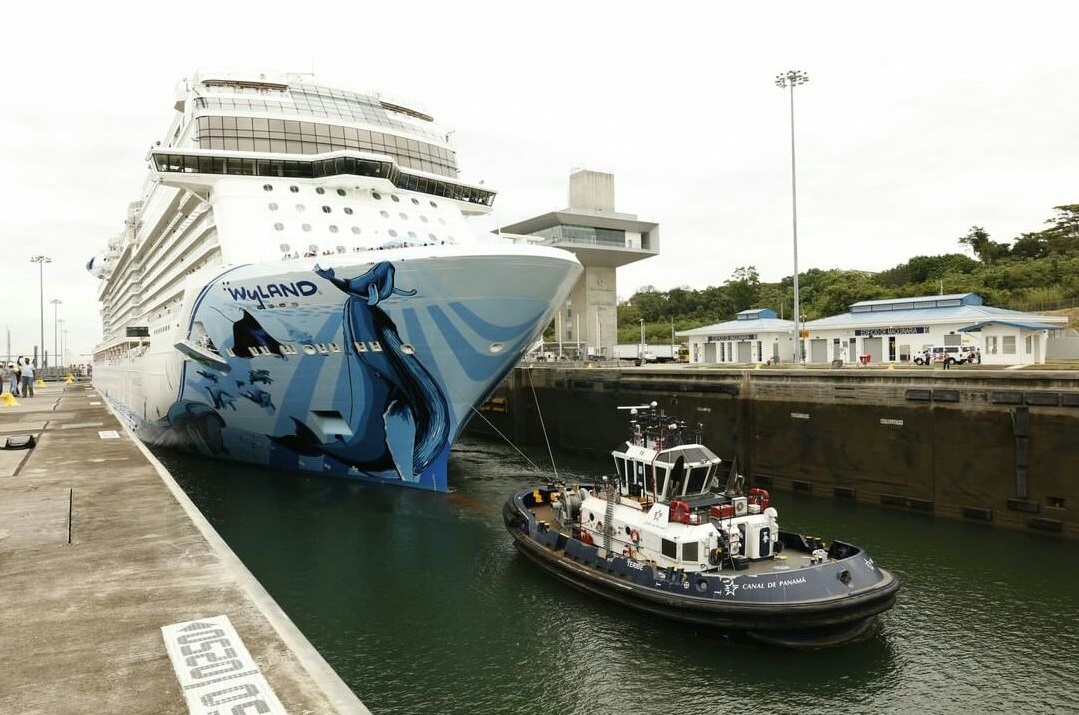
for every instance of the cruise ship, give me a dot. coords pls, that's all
(299, 285)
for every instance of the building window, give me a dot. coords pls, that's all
(991, 345)
(1007, 345)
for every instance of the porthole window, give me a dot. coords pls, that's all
(395, 198)
(376, 196)
(393, 233)
(348, 210)
(294, 189)
(285, 248)
(442, 220)
(267, 187)
(415, 201)
(341, 249)
(356, 230)
(432, 236)
(434, 205)
(273, 206)
(423, 218)
(333, 229)
(326, 209)
(299, 208)
(403, 215)
(340, 192)
(306, 227)
(384, 214)
(279, 227)
(319, 190)
(313, 248)
(412, 234)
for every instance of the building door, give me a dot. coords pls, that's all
(904, 353)
(874, 347)
(709, 352)
(818, 350)
(745, 349)
(852, 353)
(891, 348)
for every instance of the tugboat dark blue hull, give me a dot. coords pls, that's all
(791, 604)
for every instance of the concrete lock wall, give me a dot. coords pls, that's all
(997, 447)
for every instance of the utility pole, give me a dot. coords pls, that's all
(792, 79)
(41, 261)
(55, 313)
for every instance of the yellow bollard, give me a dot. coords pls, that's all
(8, 400)
(69, 379)
(891, 366)
(39, 383)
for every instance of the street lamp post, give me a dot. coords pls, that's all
(63, 340)
(792, 79)
(640, 351)
(41, 261)
(55, 331)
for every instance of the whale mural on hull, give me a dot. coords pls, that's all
(357, 398)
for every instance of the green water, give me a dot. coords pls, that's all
(421, 604)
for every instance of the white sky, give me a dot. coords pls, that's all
(920, 119)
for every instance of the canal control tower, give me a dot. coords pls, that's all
(603, 240)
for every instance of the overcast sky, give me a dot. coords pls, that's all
(920, 119)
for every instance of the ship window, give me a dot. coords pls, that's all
(411, 234)
(267, 187)
(403, 215)
(384, 214)
(306, 227)
(320, 190)
(697, 477)
(432, 236)
(423, 218)
(333, 229)
(340, 192)
(434, 205)
(326, 209)
(377, 196)
(670, 549)
(273, 206)
(294, 189)
(285, 247)
(279, 227)
(356, 229)
(395, 198)
(415, 201)
(689, 551)
(348, 210)
(341, 249)
(442, 220)
(393, 233)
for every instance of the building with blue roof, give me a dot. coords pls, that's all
(903, 329)
(754, 336)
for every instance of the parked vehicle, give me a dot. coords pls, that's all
(950, 354)
(651, 353)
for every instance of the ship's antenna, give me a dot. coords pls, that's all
(542, 425)
(732, 487)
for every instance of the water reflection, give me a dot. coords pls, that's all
(422, 605)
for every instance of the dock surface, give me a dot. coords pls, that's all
(100, 549)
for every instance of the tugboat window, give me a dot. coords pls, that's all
(689, 551)
(670, 549)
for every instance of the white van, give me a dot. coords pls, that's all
(951, 354)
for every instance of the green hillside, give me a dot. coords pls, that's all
(1034, 271)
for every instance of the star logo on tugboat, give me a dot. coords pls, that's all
(729, 587)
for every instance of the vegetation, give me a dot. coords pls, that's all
(1036, 271)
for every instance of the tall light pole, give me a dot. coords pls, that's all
(63, 340)
(640, 352)
(792, 79)
(55, 316)
(41, 261)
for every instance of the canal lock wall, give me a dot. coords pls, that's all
(999, 447)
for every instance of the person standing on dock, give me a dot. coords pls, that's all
(17, 391)
(27, 378)
(7, 378)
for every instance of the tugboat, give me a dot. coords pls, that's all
(663, 538)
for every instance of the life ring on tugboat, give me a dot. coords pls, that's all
(586, 538)
(635, 536)
(627, 551)
(759, 496)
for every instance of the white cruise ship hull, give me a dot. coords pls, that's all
(365, 364)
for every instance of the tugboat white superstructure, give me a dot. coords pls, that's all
(659, 538)
(298, 285)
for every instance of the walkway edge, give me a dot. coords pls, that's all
(336, 690)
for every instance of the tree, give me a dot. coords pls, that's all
(743, 287)
(986, 250)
